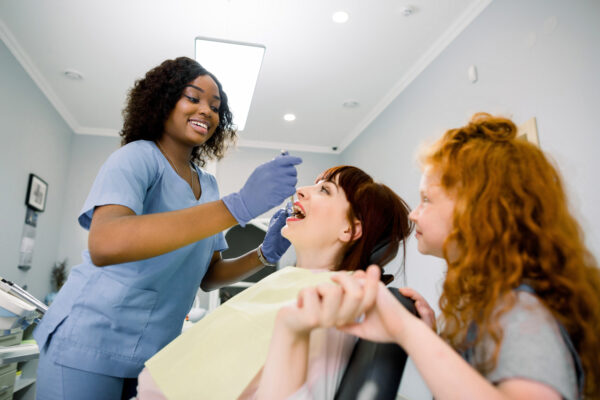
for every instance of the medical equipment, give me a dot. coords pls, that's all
(289, 207)
(22, 294)
(18, 308)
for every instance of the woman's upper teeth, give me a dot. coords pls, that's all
(201, 124)
(299, 212)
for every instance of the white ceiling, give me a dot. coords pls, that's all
(311, 65)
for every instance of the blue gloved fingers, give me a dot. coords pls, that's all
(289, 208)
(277, 221)
(268, 186)
(287, 159)
(289, 175)
(274, 245)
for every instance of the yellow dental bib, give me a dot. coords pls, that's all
(220, 354)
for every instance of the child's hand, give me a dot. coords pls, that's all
(358, 293)
(309, 311)
(385, 321)
(423, 308)
(330, 305)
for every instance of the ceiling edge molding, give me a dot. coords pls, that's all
(240, 142)
(287, 146)
(23, 58)
(86, 130)
(430, 55)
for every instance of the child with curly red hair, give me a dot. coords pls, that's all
(521, 297)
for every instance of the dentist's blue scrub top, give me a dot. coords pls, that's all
(110, 320)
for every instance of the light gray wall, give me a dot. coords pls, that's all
(526, 69)
(87, 156)
(35, 139)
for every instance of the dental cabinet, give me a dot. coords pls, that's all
(19, 354)
(18, 364)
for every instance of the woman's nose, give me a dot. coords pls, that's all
(301, 192)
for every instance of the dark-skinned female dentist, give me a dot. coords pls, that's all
(155, 223)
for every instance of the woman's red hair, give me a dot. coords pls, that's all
(511, 225)
(382, 213)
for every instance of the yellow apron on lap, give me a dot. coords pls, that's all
(221, 353)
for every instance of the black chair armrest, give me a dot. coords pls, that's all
(375, 369)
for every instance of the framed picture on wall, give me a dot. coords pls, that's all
(37, 191)
(528, 131)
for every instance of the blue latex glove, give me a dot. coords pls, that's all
(274, 245)
(268, 186)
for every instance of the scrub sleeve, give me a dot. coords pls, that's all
(110, 320)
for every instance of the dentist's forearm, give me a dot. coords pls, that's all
(118, 235)
(222, 272)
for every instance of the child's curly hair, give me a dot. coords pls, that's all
(152, 99)
(511, 224)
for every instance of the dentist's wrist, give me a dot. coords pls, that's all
(262, 259)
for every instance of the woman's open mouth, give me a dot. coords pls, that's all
(298, 212)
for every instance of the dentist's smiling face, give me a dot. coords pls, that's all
(195, 116)
(321, 217)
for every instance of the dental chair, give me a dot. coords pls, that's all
(375, 370)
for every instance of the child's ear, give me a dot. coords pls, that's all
(347, 236)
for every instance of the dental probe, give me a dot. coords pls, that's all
(289, 209)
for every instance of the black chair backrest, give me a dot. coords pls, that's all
(374, 369)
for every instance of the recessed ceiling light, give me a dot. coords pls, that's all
(289, 117)
(72, 74)
(340, 17)
(350, 104)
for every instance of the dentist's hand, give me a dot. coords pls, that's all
(268, 186)
(274, 244)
